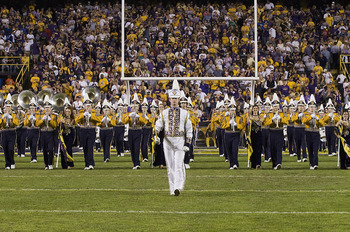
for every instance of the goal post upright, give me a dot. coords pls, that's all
(252, 79)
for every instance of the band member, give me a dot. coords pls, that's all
(146, 131)
(98, 140)
(219, 131)
(47, 123)
(33, 132)
(299, 130)
(178, 134)
(276, 121)
(313, 122)
(8, 124)
(285, 112)
(233, 125)
(119, 128)
(331, 121)
(344, 134)
(189, 157)
(88, 122)
(265, 130)
(322, 129)
(259, 103)
(254, 136)
(158, 148)
(106, 130)
(21, 132)
(136, 121)
(67, 130)
(290, 129)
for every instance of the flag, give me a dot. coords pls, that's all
(338, 132)
(249, 141)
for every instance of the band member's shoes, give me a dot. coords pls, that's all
(136, 167)
(13, 166)
(23, 155)
(7, 168)
(304, 160)
(299, 161)
(315, 167)
(257, 167)
(46, 168)
(268, 160)
(106, 160)
(121, 154)
(191, 160)
(187, 166)
(34, 161)
(226, 160)
(145, 160)
(262, 155)
(234, 167)
(222, 155)
(278, 167)
(177, 192)
(91, 167)
(293, 154)
(50, 167)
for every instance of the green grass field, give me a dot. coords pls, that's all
(115, 198)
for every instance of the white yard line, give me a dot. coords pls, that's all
(187, 190)
(169, 212)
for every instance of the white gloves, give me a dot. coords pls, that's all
(146, 117)
(186, 149)
(32, 118)
(87, 114)
(300, 115)
(46, 118)
(276, 117)
(156, 140)
(227, 114)
(233, 122)
(331, 115)
(134, 114)
(265, 115)
(105, 119)
(313, 116)
(7, 115)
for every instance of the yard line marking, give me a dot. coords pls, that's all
(189, 190)
(164, 176)
(170, 212)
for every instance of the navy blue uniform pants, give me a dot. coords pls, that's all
(106, 136)
(219, 140)
(8, 144)
(135, 145)
(300, 142)
(47, 141)
(146, 135)
(291, 144)
(232, 146)
(266, 143)
(69, 141)
(331, 139)
(313, 143)
(33, 138)
(87, 138)
(276, 145)
(21, 140)
(256, 139)
(119, 138)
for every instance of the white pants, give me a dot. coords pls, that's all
(174, 157)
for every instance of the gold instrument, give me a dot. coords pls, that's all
(15, 102)
(1, 98)
(25, 97)
(58, 102)
(42, 94)
(93, 93)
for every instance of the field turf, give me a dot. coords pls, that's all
(113, 197)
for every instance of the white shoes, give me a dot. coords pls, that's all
(278, 167)
(268, 160)
(304, 160)
(23, 155)
(314, 167)
(234, 167)
(121, 154)
(262, 155)
(46, 168)
(222, 155)
(106, 160)
(13, 166)
(191, 160)
(34, 161)
(136, 167)
(299, 161)
(292, 155)
(145, 160)
(50, 167)
(7, 168)
(187, 166)
(89, 168)
(333, 154)
(226, 160)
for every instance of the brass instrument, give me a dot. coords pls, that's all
(15, 102)
(42, 94)
(25, 97)
(58, 102)
(1, 99)
(277, 120)
(93, 93)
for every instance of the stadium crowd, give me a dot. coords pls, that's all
(80, 45)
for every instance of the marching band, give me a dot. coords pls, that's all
(267, 127)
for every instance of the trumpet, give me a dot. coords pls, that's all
(276, 120)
